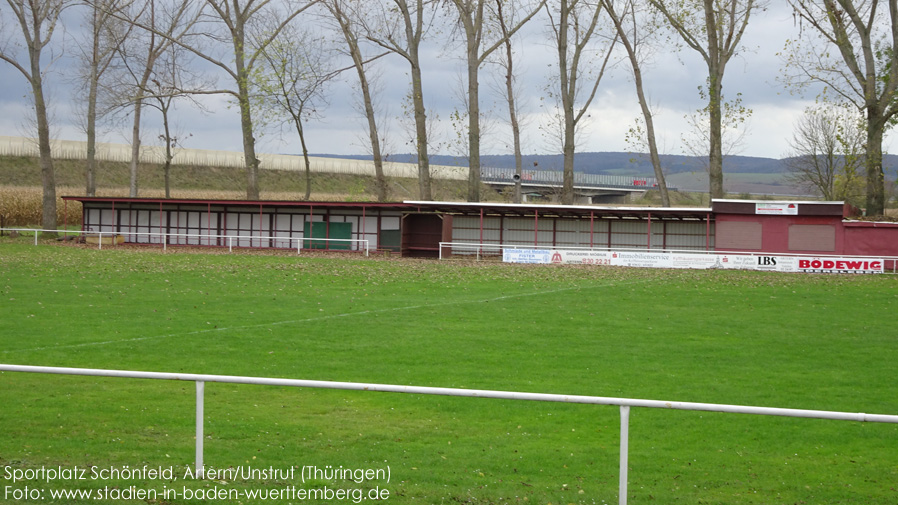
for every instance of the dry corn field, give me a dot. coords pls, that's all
(21, 206)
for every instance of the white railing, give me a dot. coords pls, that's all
(480, 249)
(165, 239)
(624, 403)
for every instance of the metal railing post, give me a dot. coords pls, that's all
(624, 450)
(200, 388)
(100, 241)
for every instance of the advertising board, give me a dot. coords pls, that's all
(651, 259)
(777, 208)
(526, 255)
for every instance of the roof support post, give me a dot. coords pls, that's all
(161, 236)
(649, 244)
(708, 231)
(480, 248)
(592, 227)
(535, 228)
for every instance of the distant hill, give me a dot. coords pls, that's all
(618, 163)
(608, 163)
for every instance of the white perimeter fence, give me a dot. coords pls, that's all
(77, 150)
(665, 258)
(623, 403)
(206, 240)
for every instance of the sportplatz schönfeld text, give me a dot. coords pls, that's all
(146, 472)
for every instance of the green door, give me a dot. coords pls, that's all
(321, 230)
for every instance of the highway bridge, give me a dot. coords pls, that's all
(588, 188)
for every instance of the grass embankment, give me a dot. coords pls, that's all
(20, 186)
(20, 183)
(816, 342)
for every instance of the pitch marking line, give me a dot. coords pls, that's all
(313, 319)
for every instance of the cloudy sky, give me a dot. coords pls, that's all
(672, 77)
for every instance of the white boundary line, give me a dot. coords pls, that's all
(313, 319)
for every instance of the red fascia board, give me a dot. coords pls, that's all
(249, 203)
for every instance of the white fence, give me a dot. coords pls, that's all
(623, 403)
(77, 150)
(673, 258)
(165, 239)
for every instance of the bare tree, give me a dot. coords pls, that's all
(341, 11)
(173, 80)
(713, 29)
(734, 118)
(37, 21)
(471, 16)
(852, 49)
(291, 84)
(163, 24)
(573, 31)
(506, 63)
(105, 34)
(402, 35)
(633, 37)
(245, 26)
(827, 151)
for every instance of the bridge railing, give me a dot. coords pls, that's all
(556, 178)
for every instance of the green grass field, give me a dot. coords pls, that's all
(777, 340)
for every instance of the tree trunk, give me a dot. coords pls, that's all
(715, 156)
(91, 164)
(166, 167)
(424, 183)
(138, 110)
(567, 83)
(643, 102)
(246, 120)
(249, 143)
(90, 168)
(873, 162)
(512, 107)
(568, 150)
(379, 180)
(515, 130)
(715, 97)
(473, 123)
(653, 145)
(135, 144)
(297, 121)
(48, 178)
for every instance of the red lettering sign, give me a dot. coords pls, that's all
(840, 265)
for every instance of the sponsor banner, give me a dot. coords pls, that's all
(777, 208)
(840, 265)
(649, 259)
(526, 255)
